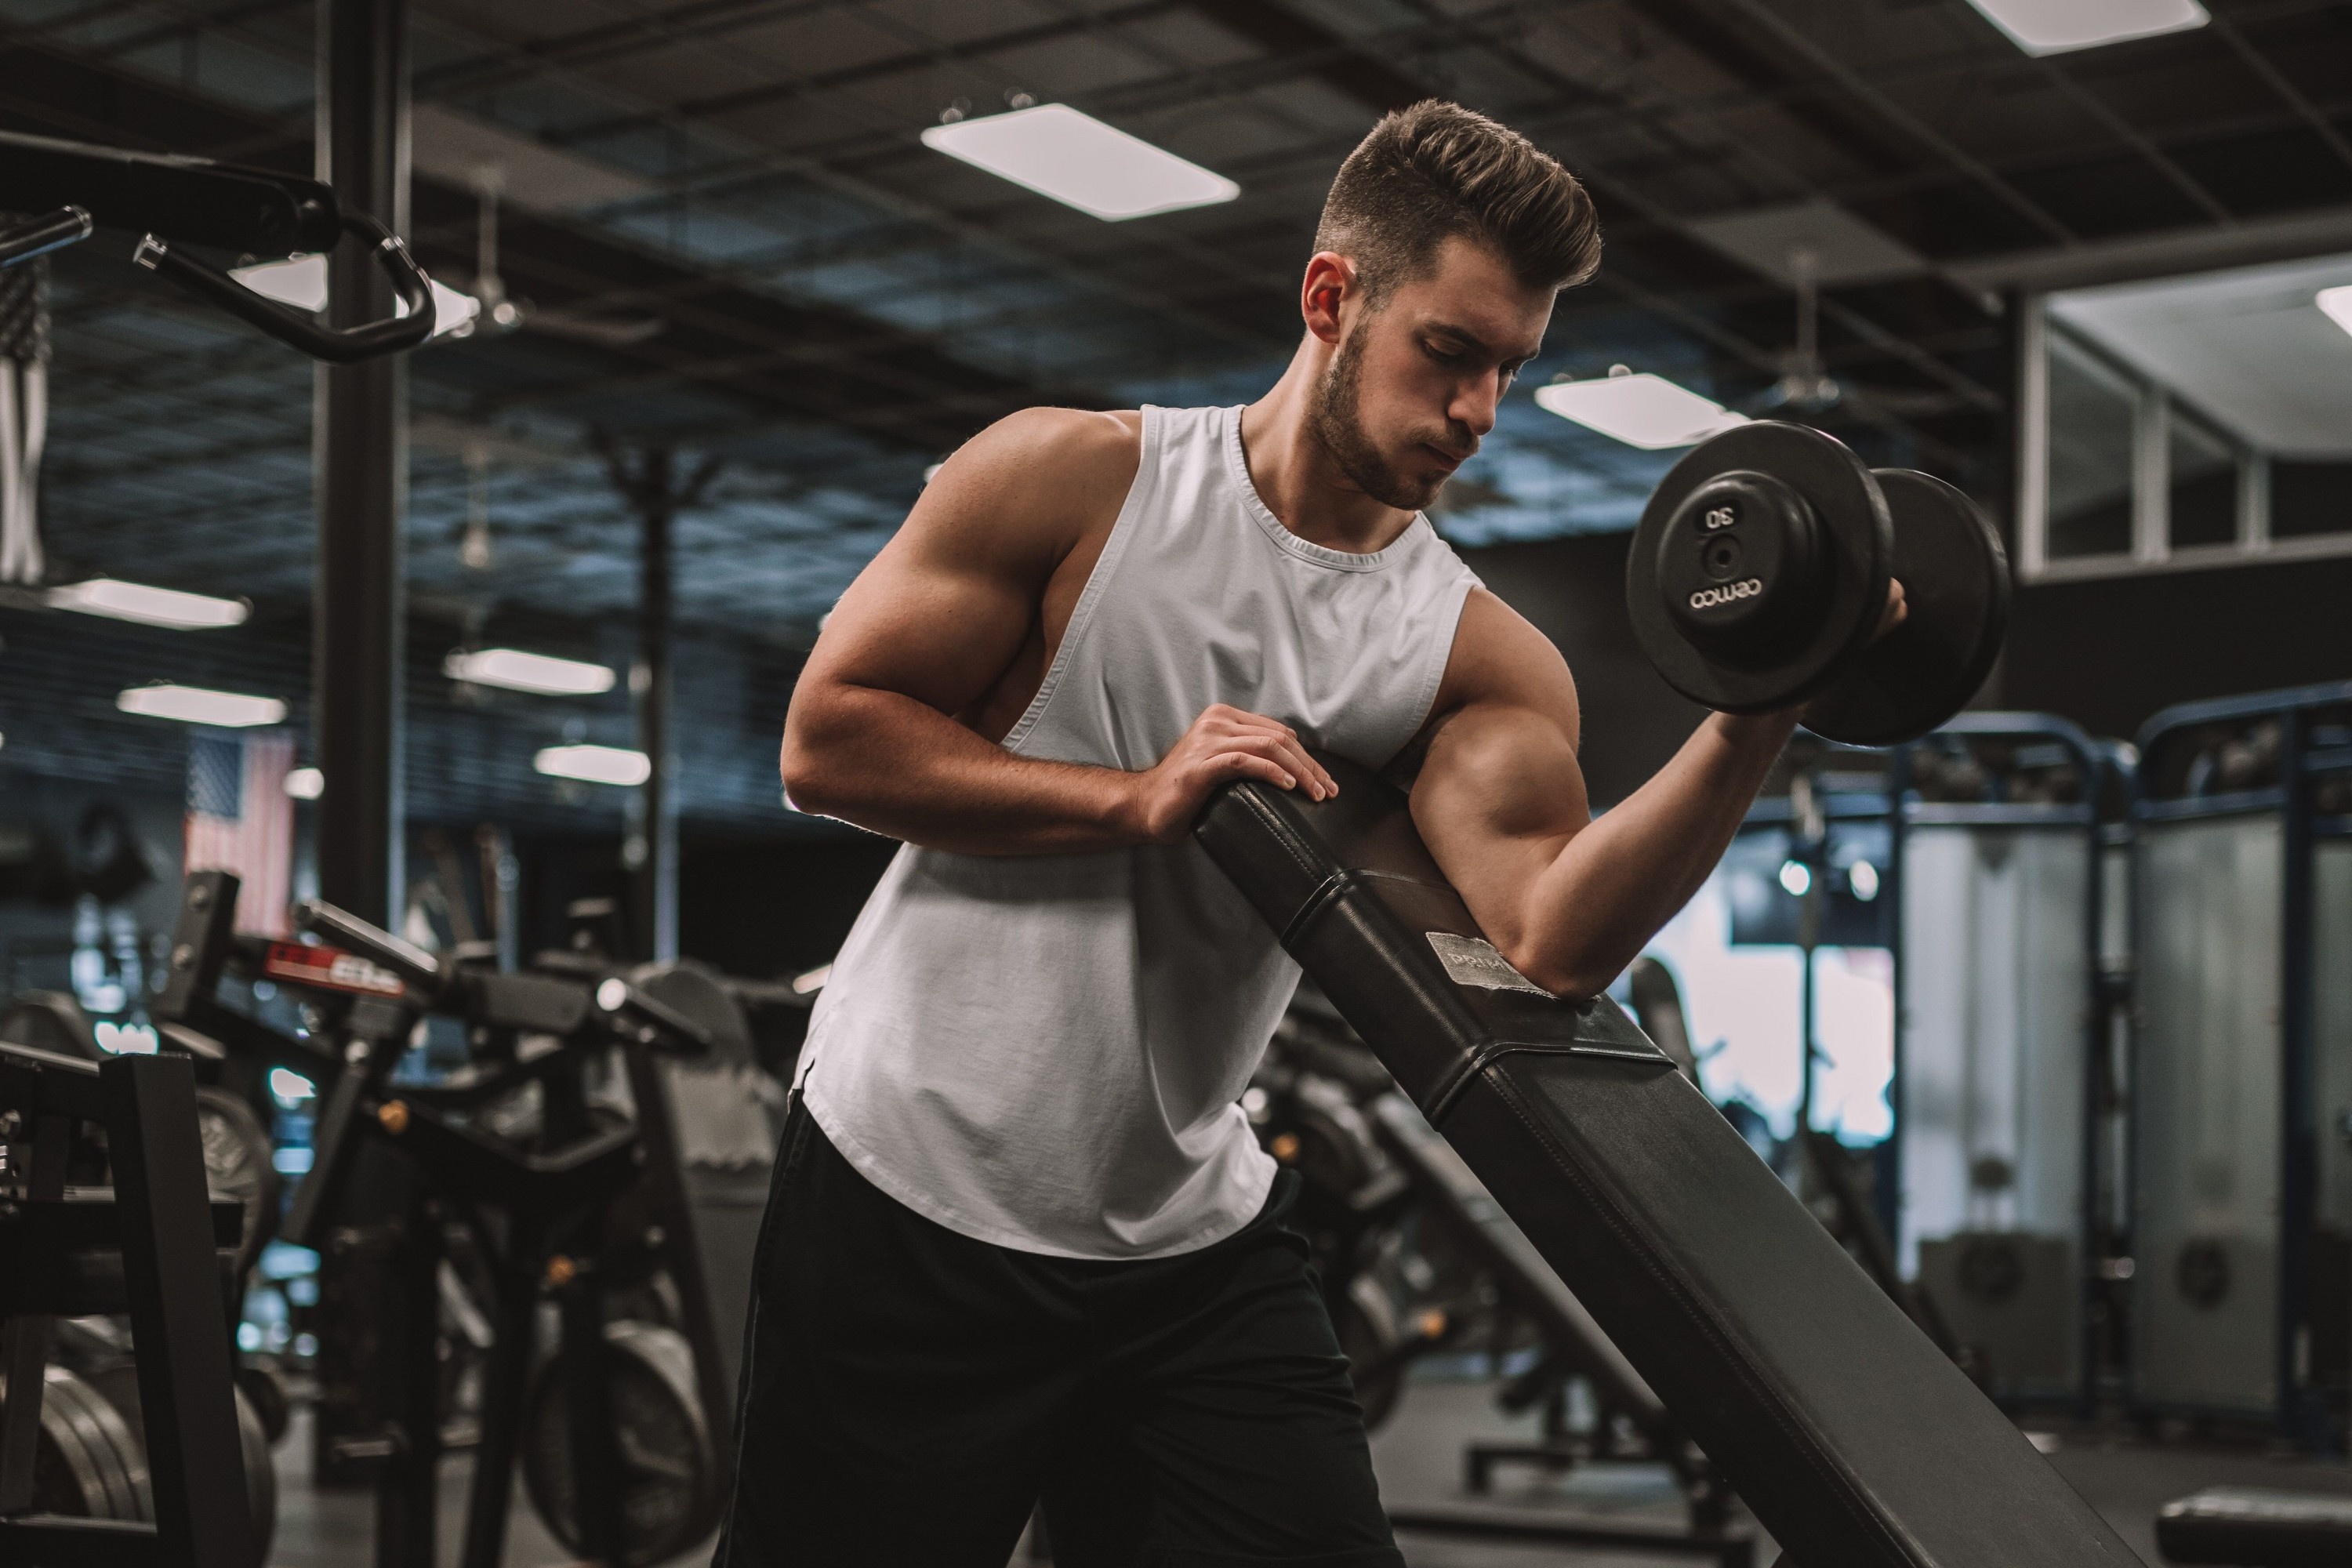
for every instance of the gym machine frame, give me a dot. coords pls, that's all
(2093, 766)
(1859, 1225)
(555, 1203)
(2298, 1408)
(151, 1246)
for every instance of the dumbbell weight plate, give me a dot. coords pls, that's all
(1955, 580)
(1782, 665)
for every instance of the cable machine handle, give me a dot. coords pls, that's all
(337, 345)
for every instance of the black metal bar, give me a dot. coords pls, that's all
(505, 1380)
(664, 1175)
(656, 867)
(177, 1324)
(24, 1351)
(66, 226)
(54, 1541)
(358, 629)
(1524, 1524)
(261, 212)
(408, 1393)
(596, 1472)
(2303, 1412)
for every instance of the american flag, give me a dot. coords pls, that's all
(240, 820)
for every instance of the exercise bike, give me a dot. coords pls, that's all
(561, 1174)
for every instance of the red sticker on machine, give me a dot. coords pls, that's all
(327, 968)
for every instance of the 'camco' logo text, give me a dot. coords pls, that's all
(1730, 592)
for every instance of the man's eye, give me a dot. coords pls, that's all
(1443, 356)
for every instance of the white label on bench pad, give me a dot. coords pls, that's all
(1471, 961)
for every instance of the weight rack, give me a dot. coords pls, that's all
(149, 1246)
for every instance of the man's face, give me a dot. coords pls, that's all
(1412, 389)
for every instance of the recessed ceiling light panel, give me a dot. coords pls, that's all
(594, 765)
(516, 670)
(197, 705)
(1058, 151)
(1641, 410)
(2055, 26)
(148, 606)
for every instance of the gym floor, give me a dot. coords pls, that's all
(1419, 1456)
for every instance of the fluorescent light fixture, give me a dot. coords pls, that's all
(302, 281)
(518, 671)
(306, 783)
(2337, 304)
(195, 705)
(1645, 410)
(2055, 27)
(148, 606)
(595, 764)
(1058, 151)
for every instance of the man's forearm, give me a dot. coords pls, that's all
(894, 765)
(1612, 885)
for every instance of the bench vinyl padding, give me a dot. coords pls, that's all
(1851, 1438)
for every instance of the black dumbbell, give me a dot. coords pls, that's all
(1758, 576)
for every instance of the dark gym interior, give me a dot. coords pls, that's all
(435, 441)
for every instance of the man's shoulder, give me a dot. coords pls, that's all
(1083, 436)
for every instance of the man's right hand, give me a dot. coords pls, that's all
(1223, 743)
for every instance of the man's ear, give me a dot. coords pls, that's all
(1330, 283)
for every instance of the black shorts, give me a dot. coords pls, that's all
(909, 1393)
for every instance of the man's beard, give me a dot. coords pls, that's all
(1337, 419)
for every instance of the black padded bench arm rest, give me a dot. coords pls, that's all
(1854, 1439)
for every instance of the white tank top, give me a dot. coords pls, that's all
(1046, 1052)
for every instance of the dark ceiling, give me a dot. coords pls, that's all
(838, 305)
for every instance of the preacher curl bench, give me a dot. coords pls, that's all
(1852, 1437)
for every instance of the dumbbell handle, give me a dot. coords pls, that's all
(406, 959)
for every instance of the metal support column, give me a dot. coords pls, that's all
(361, 453)
(655, 899)
(653, 490)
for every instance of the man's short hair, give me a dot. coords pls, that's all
(1437, 170)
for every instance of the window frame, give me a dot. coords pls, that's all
(2154, 408)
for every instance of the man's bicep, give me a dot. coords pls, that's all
(1500, 791)
(1498, 796)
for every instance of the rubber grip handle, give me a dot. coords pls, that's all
(337, 345)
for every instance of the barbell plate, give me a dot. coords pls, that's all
(237, 1165)
(1955, 579)
(672, 1486)
(103, 1452)
(1854, 524)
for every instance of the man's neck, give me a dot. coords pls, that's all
(1294, 471)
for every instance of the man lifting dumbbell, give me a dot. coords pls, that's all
(1022, 1242)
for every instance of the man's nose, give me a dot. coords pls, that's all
(1474, 405)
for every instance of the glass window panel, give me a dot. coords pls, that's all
(2090, 489)
(2310, 498)
(2203, 485)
